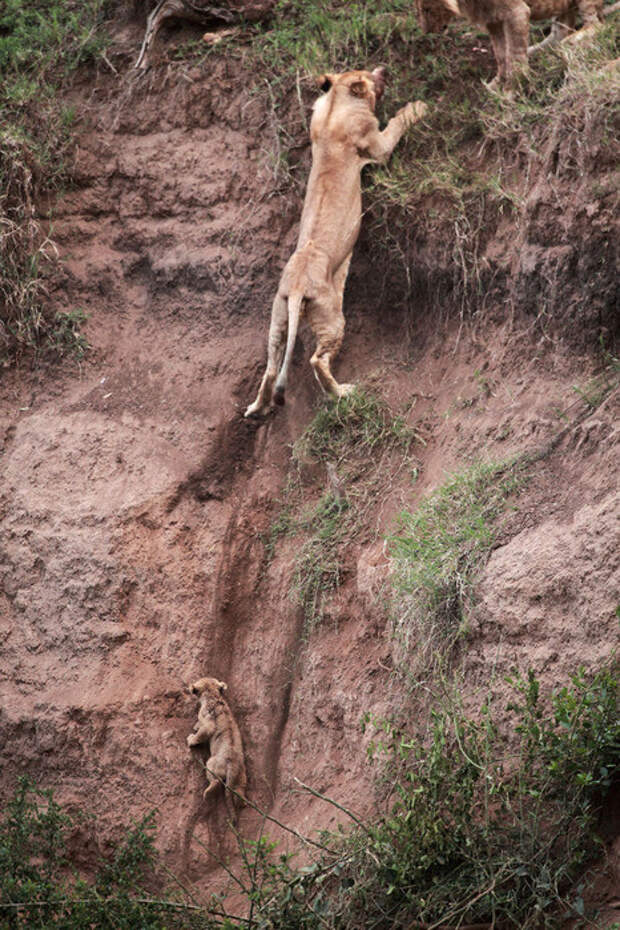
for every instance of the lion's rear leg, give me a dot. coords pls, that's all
(329, 334)
(516, 33)
(214, 777)
(498, 42)
(275, 347)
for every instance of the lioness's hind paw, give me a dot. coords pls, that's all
(256, 411)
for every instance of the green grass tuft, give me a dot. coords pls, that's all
(365, 446)
(41, 44)
(437, 552)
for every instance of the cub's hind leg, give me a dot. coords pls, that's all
(215, 775)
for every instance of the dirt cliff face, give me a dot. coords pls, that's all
(136, 499)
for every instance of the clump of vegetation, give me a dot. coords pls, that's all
(437, 552)
(600, 386)
(41, 45)
(486, 826)
(40, 890)
(362, 447)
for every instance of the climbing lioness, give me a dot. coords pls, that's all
(345, 136)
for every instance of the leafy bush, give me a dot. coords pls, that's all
(39, 891)
(486, 827)
(478, 833)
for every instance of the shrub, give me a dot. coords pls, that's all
(39, 890)
(485, 827)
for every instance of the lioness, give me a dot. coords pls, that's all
(216, 725)
(345, 136)
(507, 22)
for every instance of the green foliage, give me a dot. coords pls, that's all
(437, 552)
(318, 565)
(475, 834)
(359, 423)
(487, 823)
(41, 44)
(327, 35)
(363, 445)
(39, 891)
(65, 337)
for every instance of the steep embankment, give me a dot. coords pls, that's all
(137, 501)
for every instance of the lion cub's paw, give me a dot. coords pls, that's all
(191, 740)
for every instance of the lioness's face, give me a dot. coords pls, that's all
(367, 85)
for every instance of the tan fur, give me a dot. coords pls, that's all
(508, 24)
(345, 136)
(216, 725)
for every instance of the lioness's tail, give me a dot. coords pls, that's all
(295, 302)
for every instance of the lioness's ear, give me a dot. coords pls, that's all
(358, 89)
(222, 686)
(324, 82)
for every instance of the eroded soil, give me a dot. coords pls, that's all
(135, 498)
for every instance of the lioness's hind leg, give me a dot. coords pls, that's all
(498, 42)
(329, 333)
(275, 347)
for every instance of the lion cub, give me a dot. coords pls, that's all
(216, 725)
(508, 24)
(345, 136)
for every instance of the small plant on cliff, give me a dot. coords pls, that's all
(437, 552)
(362, 446)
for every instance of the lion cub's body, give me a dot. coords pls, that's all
(216, 725)
(507, 22)
(345, 136)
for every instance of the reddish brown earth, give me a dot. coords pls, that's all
(134, 495)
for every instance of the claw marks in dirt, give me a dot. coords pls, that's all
(231, 453)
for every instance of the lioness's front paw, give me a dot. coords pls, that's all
(191, 740)
(414, 112)
(345, 389)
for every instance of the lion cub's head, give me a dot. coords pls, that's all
(367, 85)
(209, 688)
(436, 15)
